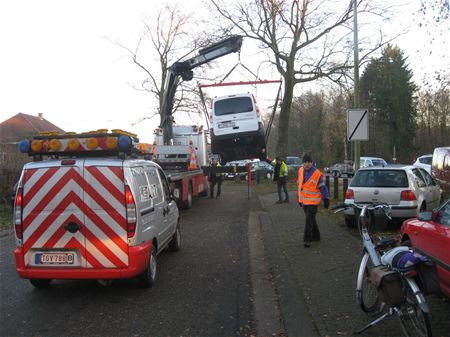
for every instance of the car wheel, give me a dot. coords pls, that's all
(148, 278)
(175, 243)
(350, 221)
(40, 283)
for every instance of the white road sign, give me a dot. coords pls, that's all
(357, 124)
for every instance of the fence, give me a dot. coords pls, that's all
(340, 186)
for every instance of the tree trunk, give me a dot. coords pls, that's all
(282, 144)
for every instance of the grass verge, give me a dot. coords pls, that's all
(5, 216)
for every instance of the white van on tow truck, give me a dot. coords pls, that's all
(237, 128)
(88, 207)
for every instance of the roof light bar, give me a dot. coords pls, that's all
(100, 142)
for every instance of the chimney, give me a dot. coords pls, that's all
(41, 115)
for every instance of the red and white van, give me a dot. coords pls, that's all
(91, 212)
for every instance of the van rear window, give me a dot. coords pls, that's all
(232, 106)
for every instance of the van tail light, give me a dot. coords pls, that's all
(349, 194)
(18, 214)
(258, 112)
(408, 195)
(131, 212)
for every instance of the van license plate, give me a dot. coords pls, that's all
(226, 125)
(55, 258)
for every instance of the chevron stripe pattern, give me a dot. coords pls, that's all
(93, 198)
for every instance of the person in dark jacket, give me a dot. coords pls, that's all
(215, 178)
(311, 191)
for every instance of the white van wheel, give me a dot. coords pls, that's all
(148, 277)
(175, 243)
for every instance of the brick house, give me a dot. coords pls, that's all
(12, 131)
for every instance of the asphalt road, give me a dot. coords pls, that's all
(202, 290)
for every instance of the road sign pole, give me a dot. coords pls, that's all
(356, 102)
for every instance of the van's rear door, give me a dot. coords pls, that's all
(234, 114)
(74, 214)
(54, 214)
(105, 214)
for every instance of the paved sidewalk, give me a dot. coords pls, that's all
(316, 286)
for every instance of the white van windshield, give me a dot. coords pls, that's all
(233, 105)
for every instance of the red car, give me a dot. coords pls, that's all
(429, 234)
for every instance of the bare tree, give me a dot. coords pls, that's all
(307, 40)
(170, 40)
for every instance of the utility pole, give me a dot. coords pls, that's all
(356, 100)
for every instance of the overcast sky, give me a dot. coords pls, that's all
(58, 59)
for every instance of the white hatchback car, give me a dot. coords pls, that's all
(407, 189)
(424, 162)
(371, 161)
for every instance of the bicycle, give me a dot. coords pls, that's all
(399, 293)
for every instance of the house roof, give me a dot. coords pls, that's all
(20, 126)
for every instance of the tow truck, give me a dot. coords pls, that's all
(176, 145)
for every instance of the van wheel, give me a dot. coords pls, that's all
(40, 283)
(148, 278)
(175, 243)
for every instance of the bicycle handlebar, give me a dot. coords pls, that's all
(368, 206)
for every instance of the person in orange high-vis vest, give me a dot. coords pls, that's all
(311, 191)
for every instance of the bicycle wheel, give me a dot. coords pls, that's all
(414, 321)
(366, 292)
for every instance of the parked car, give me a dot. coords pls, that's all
(293, 164)
(424, 162)
(242, 175)
(407, 189)
(231, 176)
(264, 169)
(440, 168)
(340, 169)
(371, 161)
(429, 234)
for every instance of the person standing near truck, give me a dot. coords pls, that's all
(280, 175)
(311, 191)
(215, 178)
